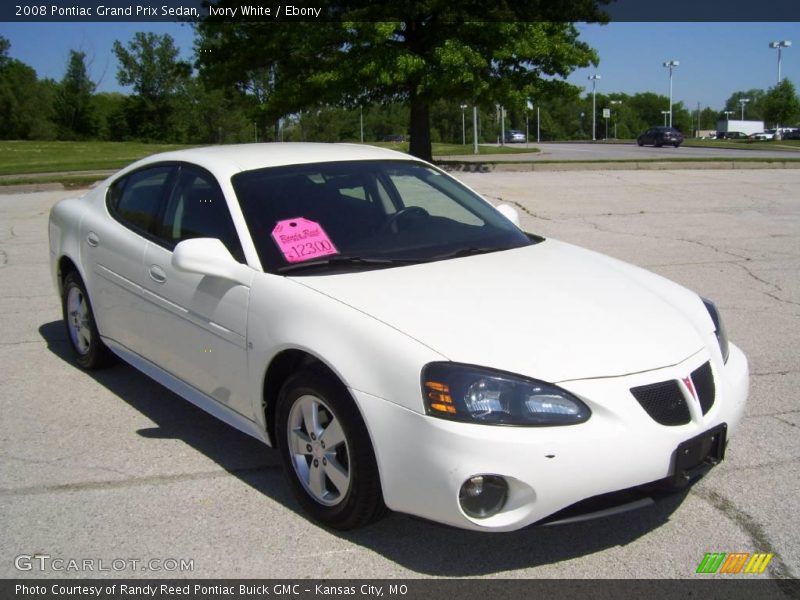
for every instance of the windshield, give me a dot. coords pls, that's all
(365, 214)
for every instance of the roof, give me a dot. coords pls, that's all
(226, 160)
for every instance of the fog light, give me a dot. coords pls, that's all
(482, 496)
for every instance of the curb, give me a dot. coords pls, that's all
(490, 167)
(26, 188)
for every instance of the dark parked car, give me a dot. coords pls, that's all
(731, 135)
(658, 136)
(794, 134)
(394, 137)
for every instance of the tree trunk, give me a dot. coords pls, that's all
(420, 145)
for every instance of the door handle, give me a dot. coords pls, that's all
(157, 274)
(92, 239)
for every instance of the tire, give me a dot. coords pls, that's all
(640, 142)
(677, 145)
(338, 485)
(90, 351)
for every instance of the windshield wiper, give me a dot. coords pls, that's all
(470, 251)
(336, 261)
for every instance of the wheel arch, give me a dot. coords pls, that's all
(280, 368)
(64, 267)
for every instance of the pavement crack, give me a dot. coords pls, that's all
(752, 528)
(769, 373)
(37, 490)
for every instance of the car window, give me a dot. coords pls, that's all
(136, 199)
(417, 192)
(196, 208)
(375, 210)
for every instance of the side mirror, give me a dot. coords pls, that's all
(510, 213)
(210, 257)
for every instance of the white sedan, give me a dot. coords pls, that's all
(402, 342)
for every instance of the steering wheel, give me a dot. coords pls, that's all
(392, 222)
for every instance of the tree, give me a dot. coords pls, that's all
(25, 102)
(150, 65)
(5, 46)
(74, 112)
(781, 105)
(414, 52)
(754, 107)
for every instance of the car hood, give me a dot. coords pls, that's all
(552, 311)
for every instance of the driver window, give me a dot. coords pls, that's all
(196, 209)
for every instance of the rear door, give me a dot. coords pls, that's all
(114, 244)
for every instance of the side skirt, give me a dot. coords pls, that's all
(187, 392)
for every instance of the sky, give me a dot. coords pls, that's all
(716, 59)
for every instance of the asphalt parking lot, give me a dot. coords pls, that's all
(112, 466)
(553, 151)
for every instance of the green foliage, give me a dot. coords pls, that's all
(781, 104)
(431, 50)
(150, 65)
(754, 108)
(25, 102)
(73, 107)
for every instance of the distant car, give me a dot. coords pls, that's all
(660, 136)
(394, 137)
(794, 134)
(767, 134)
(731, 135)
(514, 136)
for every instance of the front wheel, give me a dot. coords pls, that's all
(326, 451)
(90, 351)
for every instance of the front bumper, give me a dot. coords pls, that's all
(424, 460)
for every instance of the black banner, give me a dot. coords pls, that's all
(706, 587)
(311, 10)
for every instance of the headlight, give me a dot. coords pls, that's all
(478, 395)
(719, 329)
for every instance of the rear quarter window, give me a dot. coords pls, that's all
(135, 199)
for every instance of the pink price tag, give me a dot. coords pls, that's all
(300, 239)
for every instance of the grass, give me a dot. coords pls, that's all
(18, 157)
(64, 160)
(23, 158)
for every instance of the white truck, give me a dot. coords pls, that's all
(726, 127)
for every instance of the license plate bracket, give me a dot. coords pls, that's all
(698, 455)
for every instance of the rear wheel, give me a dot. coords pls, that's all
(90, 351)
(326, 452)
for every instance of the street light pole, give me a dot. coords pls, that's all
(361, 120)
(615, 103)
(538, 137)
(670, 64)
(594, 79)
(528, 107)
(743, 101)
(780, 45)
(474, 129)
(463, 125)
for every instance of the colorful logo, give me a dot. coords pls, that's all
(735, 562)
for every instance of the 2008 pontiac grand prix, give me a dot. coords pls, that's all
(402, 342)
